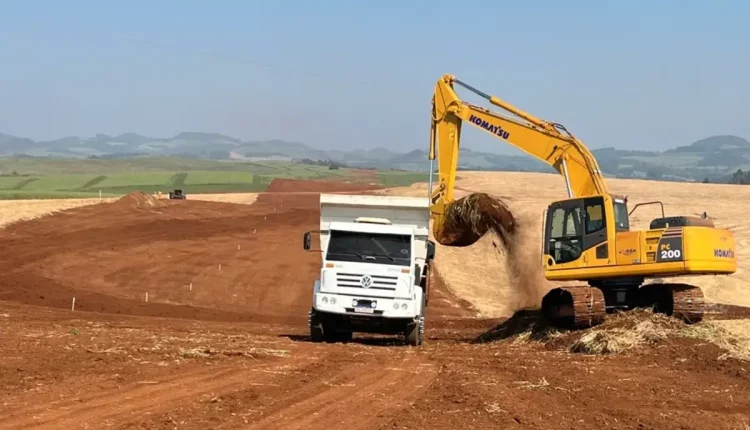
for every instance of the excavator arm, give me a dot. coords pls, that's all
(549, 142)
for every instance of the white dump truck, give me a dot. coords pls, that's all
(375, 267)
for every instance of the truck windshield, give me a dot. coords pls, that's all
(392, 249)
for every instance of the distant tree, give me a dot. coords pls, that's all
(740, 178)
(653, 174)
(705, 180)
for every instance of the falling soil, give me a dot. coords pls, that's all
(471, 217)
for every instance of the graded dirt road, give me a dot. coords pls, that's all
(222, 340)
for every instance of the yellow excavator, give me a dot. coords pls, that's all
(587, 237)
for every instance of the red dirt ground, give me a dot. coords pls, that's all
(231, 351)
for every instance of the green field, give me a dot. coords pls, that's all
(59, 178)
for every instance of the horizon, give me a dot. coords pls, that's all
(331, 77)
(394, 150)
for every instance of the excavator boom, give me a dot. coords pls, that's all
(548, 142)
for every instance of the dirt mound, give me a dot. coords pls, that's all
(140, 200)
(202, 261)
(307, 186)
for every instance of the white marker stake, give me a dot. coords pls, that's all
(73, 306)
(191, 286)
(219, 266)
(238, 247)
(146, 297)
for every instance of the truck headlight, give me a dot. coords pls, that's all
(333, 300)
(354, 302)
(324, 299)
(373, 304)
(395, 306)
(403, 306)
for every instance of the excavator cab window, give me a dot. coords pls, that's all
(574, 226)
(564, 231)
(621, 216)
(594, 215)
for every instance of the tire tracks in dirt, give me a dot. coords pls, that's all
(338, 403)
(325, 386)
(106, 408)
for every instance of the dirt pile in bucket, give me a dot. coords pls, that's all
(468, 219)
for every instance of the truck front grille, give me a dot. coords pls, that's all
(376, 282)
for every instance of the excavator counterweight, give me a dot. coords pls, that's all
(586, 237)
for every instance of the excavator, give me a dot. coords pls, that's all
(587, 237)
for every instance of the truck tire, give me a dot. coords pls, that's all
(425, 284)
(316, 329)
(413, 332)
(316, 333)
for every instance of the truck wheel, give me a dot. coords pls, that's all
(316, 329)
(316, 333)
(413, 333)
(425, 283)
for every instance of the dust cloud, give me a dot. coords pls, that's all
(471, 217)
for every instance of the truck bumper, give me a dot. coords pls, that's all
(359, 306)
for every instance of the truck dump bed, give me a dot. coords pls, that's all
(407, 211)
(400, 211)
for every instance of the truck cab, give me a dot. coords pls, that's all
(375, 267)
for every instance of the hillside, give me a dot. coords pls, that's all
(715, 158)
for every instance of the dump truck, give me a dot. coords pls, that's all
(376, 259)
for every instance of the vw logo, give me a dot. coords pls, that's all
(366, 281)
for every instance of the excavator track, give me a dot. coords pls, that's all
(574, 307)
(688, 302)
(681, 301)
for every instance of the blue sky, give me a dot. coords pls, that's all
(347, 74)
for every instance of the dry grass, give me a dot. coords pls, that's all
(242, 198)
(621, 333)
(614, 337)
(644, 328)
(479, 274)
(12, 211)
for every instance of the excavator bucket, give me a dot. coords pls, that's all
(469, 218)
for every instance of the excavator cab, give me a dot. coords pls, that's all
(577, 231)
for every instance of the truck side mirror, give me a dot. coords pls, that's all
(307, 241)
(430, 250)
